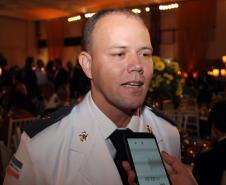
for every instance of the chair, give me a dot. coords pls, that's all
(191, 123)
(177, 117)
(5, 156)
(179, 120)
(16, 127)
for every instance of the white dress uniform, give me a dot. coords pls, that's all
(71, 148)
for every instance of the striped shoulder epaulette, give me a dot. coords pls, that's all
(38, 125)
(161, 114)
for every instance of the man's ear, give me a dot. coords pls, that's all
(85, 61)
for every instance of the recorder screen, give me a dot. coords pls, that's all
(147, 161)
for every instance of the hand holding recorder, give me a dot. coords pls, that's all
(179, 174)
(145, 159)
(145, 165)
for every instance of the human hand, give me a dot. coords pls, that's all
(130, 172)
(179, 174)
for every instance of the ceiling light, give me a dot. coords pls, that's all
(136, 10)
(75, 18)
(88, 15)
(147, 9)
(169, 6)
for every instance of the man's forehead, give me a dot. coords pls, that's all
(114, 27)
(116, 15)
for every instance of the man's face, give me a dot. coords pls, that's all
(121, 63)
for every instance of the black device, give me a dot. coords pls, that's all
(145, 159)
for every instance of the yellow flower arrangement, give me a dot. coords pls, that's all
(167, 82)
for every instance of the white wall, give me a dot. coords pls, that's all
(18, 37)
(168, 46)
(217, 43)
(17, 40)
(72, 29)
(217, 47)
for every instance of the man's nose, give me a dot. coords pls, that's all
(135, 64)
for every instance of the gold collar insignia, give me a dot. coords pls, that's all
(83, 136)
(149, 129)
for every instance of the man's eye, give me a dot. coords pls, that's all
(146, 54)
(118, 54)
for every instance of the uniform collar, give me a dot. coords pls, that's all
(135, 123)
(106, 125)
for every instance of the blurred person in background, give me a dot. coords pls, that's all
(61, 74)
(210, 165)
(29, 77)
(40, 72)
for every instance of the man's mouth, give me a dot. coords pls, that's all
(133, 84)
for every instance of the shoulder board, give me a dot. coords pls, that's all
(38, 125)
(161, 114)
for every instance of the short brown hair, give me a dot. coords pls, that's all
(91, 23)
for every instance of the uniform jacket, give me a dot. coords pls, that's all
(72, 151)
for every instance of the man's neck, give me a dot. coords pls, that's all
(120, 117)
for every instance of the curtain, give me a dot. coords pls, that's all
(196, 20)
(55, 38)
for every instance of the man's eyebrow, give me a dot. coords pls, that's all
(117, 47)
(147, 48)
(124, 47)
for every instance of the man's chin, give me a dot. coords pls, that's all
(132, 107)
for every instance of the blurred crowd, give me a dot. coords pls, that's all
(37, 89)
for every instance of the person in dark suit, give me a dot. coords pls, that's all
(210, 165)
(61, 75)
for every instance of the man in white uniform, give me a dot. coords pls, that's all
(72, 146)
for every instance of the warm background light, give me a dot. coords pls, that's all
(223, 72)
(216, 72)
(210, 73)
(195, 75)
(224, 59)
(185, 75)
(42, 69)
